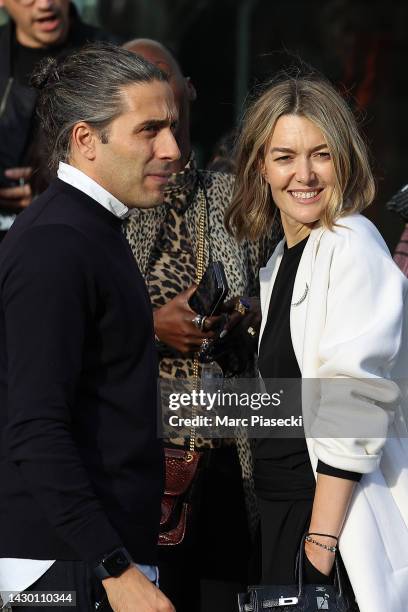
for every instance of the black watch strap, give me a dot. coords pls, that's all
(113, 564)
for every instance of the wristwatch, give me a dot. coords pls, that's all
(113, 564)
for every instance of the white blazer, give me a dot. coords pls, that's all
(349, 319)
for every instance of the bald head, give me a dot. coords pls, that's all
(183, 90)
(156, 53)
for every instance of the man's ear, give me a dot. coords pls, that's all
(191, 90)
(83, 140)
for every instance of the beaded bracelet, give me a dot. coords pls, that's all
(309, 539)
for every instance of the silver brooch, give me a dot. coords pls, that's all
(302, 299)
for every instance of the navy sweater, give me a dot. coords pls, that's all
(81, 467)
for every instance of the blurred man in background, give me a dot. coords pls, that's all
(36, 29)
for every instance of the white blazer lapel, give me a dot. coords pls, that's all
(267, 277)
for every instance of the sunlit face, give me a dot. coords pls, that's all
(300, 172)
(41, 24)
(135, 164)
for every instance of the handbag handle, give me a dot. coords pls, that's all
(205, 211)
(200, 256)
(302, 554)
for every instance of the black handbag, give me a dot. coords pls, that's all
(298, 597)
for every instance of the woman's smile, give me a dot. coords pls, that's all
(300, 173)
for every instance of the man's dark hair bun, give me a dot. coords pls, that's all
(45, 73)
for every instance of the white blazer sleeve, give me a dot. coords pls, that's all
(360, 343)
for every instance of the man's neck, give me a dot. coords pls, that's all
(79, 179)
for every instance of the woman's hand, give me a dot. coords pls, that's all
(251, 318)
(331, 501)
(173, 324)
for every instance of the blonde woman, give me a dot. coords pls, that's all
(333, 304)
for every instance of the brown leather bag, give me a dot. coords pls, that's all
(181, 471)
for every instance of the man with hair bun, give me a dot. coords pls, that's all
(81, 465)
(36, 29)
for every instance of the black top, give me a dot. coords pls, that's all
(282, 465)
(81, 467)
(276, 355)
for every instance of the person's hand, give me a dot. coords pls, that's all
(251, 318)
(19, 196)
(173, 324)
(236, 345)
(322, 559)
(133, 592)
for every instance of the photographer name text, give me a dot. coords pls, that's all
(227, 421)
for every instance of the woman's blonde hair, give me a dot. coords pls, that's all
(251, 212)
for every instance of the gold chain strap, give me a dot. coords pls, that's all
(199, 273)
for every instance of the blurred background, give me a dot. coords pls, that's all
(227, 46)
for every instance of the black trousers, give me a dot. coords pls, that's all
(282, 525)
(73, 576)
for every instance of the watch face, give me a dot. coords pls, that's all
(116, 563)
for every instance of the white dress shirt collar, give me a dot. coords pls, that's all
(78, 179)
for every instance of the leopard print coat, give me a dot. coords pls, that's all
(163, 241)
